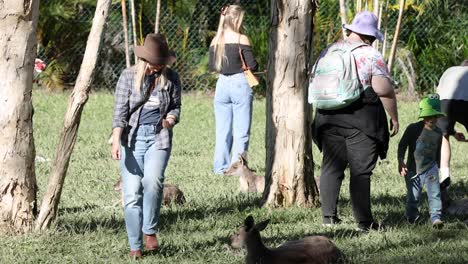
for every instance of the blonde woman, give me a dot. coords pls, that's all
(147, 106)
(233, 96)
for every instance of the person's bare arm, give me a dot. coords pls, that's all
(384, 89)
(115, 151)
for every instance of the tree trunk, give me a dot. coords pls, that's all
(343, 16)
(158, 14)
(391, 57)
(125, 29)
(358, 6)
(289, 163)
(132, 12)
(18, 23)
(71, 124)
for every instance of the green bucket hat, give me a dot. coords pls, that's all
(430, 106)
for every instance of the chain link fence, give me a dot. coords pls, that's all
(189, 26)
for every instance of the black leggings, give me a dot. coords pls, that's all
(342, 147)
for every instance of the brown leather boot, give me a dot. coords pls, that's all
(136, 254)
(151, 242)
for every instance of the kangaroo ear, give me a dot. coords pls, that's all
(249, 223)
(243, 158)
(262, 225)
(240, 159)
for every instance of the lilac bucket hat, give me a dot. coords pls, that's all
(365, 23)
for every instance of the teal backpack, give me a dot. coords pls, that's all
(334, 81)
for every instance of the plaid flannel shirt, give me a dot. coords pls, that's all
(128, 100)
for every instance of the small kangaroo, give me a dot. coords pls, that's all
(248, 181)
(309, 250)
(171, 193)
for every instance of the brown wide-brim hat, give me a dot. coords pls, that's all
(154, 50)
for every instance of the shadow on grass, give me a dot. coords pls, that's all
(87, 225)
(238, 203)
(81, 223)
(170, 249)
(458, 189)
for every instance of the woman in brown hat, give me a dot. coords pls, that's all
(147, 106)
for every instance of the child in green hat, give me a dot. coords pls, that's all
(423, 141)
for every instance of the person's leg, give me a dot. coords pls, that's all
(445, 152)
(446, 124)
(242, 97)
(131, 165)
(223, 123)
(334, 162)
(433, 193)
(155, 164)
(362, 155)
(414, 189)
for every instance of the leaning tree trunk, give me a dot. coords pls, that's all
(132, 14)
(289, 163)
(343, 16)
(18, 22)
(385, 23)
(391, 57)
(158, 15)
(71, 124)
(375, 10)
(125, 32)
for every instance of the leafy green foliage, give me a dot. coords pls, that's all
(61, 30)
(441, 44)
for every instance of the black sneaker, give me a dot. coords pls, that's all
(331, 221)
(366, 227)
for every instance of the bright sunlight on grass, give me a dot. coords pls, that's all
(90, 226)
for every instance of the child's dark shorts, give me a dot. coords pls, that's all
(456, 111)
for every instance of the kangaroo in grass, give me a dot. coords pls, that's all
(171, 193)
(309, 250)
(248, 181)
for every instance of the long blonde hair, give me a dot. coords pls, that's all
(231, 17)
(140, 69)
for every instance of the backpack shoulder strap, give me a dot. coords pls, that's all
(354, 45)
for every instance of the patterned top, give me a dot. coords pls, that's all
(370, 62)
(408, 144)
(129, 101)
(428, 145)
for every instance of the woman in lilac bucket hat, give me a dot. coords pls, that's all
(357, 135)
(365, 23)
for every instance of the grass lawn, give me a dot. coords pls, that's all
(90, 226)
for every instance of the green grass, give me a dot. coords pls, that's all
(90, 226)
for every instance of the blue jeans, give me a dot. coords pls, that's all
(233, 116)
(414, 186)
(142, 167)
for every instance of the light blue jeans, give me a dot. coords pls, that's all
(142, 167)
(233, 117)
(415, 184)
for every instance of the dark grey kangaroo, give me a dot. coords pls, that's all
(309, 250)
